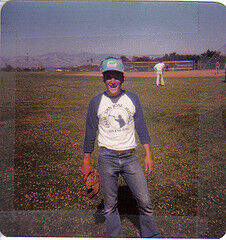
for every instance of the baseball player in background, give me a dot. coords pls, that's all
(116, 114)
(159, 68)
(217, 67)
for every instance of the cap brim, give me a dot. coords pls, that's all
(112, 69)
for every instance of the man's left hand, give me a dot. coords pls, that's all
(149, 164)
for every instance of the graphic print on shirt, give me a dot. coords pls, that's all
(117, 117)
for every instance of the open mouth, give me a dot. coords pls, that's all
(113, 85)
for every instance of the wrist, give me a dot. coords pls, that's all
(87, 163)
(87, 157)
(86, 160)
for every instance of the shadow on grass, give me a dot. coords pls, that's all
(127, 207)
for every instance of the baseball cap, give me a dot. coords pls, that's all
(111, 63)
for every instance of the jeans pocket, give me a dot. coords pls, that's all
(100, 161)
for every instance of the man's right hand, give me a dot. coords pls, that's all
(86, 169)
(86, 166)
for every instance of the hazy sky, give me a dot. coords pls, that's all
(126, 28)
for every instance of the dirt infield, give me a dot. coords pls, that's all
(192, 73)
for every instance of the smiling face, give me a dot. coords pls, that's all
(113, 81)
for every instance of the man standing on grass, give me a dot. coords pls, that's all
(159, 68)
(116, 114)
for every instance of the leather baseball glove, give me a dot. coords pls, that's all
(92, 183)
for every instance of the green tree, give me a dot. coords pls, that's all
(141, 59)
(125, 59)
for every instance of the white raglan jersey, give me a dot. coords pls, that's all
(159, 67)
(116, 119)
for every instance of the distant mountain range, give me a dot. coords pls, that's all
(56, 59)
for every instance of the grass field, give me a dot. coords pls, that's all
(50, 121)
(50, 124)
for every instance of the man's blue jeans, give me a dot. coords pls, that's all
(110, 165)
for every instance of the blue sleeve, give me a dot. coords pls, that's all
(140, 124)
(91, 125)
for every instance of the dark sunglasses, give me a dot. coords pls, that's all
(113, 74)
